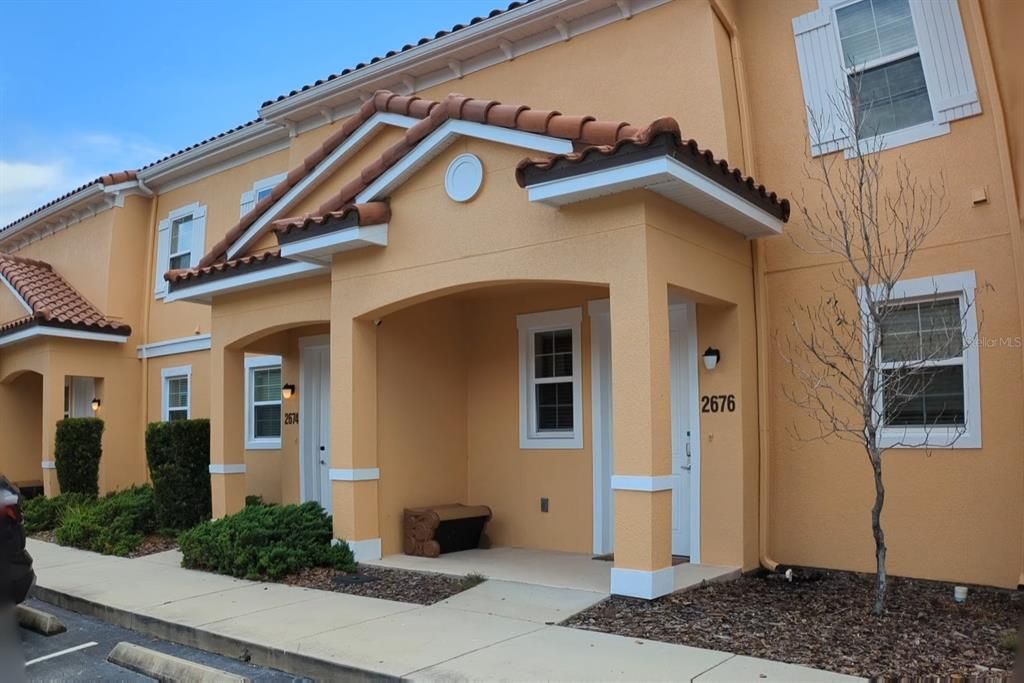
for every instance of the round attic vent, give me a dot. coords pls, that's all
(464, 177)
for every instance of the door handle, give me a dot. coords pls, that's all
(323, 448)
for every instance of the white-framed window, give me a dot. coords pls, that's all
(177, 393)
(260, 189)
(263, 402)
(902, 64)
(930, 335)
(550, 380)
(181, 242)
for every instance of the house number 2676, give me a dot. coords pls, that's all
(722, 403)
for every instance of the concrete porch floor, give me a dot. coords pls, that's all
(545, 568)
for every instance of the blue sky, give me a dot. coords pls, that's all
(92, 87)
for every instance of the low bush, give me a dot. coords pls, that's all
(178, 454)
(251, 500)
(77, 450)
(46, 514)
(266, 541)
(113, 525)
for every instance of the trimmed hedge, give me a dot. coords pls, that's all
(266, 541)
(78, 448)
(113, 525)
(178, 454)
(45, 514)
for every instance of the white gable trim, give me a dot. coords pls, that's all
(204, 293)
(321, 248)
(172, 347)
(667, 177)
(21, 300)
(45, 331)
(342, 153)
(446, 134)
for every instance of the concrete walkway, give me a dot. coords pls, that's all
(499, 630)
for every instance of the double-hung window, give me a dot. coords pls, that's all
(928, 362)
(181, 242)
(177, 393)
(902, 66)
(263, 402)
(551, 403)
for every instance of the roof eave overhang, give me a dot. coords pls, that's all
(669, 178)
(203, 289)
(320, 246)
(36, 330)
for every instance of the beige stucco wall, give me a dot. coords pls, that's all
(949, 514)
(21, 403)
(10, 307)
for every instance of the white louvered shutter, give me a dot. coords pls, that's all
(945, 59)
(248, 202)
(824, 80)
(198, 245)
(163, 256)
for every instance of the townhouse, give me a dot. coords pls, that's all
(556, 292)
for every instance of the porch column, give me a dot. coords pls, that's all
(641, 419)
(53, 412)
(354, 467)
(227, 430)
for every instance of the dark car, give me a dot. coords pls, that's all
(16, 575)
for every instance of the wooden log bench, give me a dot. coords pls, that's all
(430, 531)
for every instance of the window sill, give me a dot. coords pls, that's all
(263, 445)
(912, 438)
(898, 138)
(551, 443)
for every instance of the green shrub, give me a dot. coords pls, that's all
(113, 525)
(266, 541)
(178, 454)
(251, 500)
(46, 514)
(78, 447)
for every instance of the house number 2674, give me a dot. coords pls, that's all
(722, 403)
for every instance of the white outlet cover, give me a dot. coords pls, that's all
(464, 177)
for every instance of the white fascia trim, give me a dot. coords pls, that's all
(364, 474)
(46, 331)
(962, 285)
(49, 465)
(320, 249)
(341, 154)
(221, 468)
(204, 293)
(171, 347)
(17, 295)
(436, 142)
(638, 583)
(366, 550)
(635, 482)
(54, 210)
(645, 174)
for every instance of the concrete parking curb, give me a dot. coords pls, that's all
(39, 621)
(165, 667)
(253, 653)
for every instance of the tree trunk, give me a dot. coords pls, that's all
(876, 528)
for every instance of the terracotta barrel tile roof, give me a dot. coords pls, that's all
(665, 133)
(54, 302)
(115, 178)
(370, 213)
(584, 130)
(266, 258)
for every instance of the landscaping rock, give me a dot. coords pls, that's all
(421, 588)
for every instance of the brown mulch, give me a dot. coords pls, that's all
(402, 585)
(48, 536)
(828, 624)
(154, 543)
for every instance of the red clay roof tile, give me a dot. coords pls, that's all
(54, 302)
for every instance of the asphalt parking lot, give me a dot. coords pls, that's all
(81, 652)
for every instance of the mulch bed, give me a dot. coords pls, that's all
(828, 624)
(402, 585)
(48, 536)
(154, 543)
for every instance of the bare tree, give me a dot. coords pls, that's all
(864, 359)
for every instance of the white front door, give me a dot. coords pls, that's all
(685, 458)
(682, 488)
(315, 418)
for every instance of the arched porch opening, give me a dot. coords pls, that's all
(21, 404)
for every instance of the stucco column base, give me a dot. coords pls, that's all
(356, 519)
(51, 487)
(643, 543)
(228, 492)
